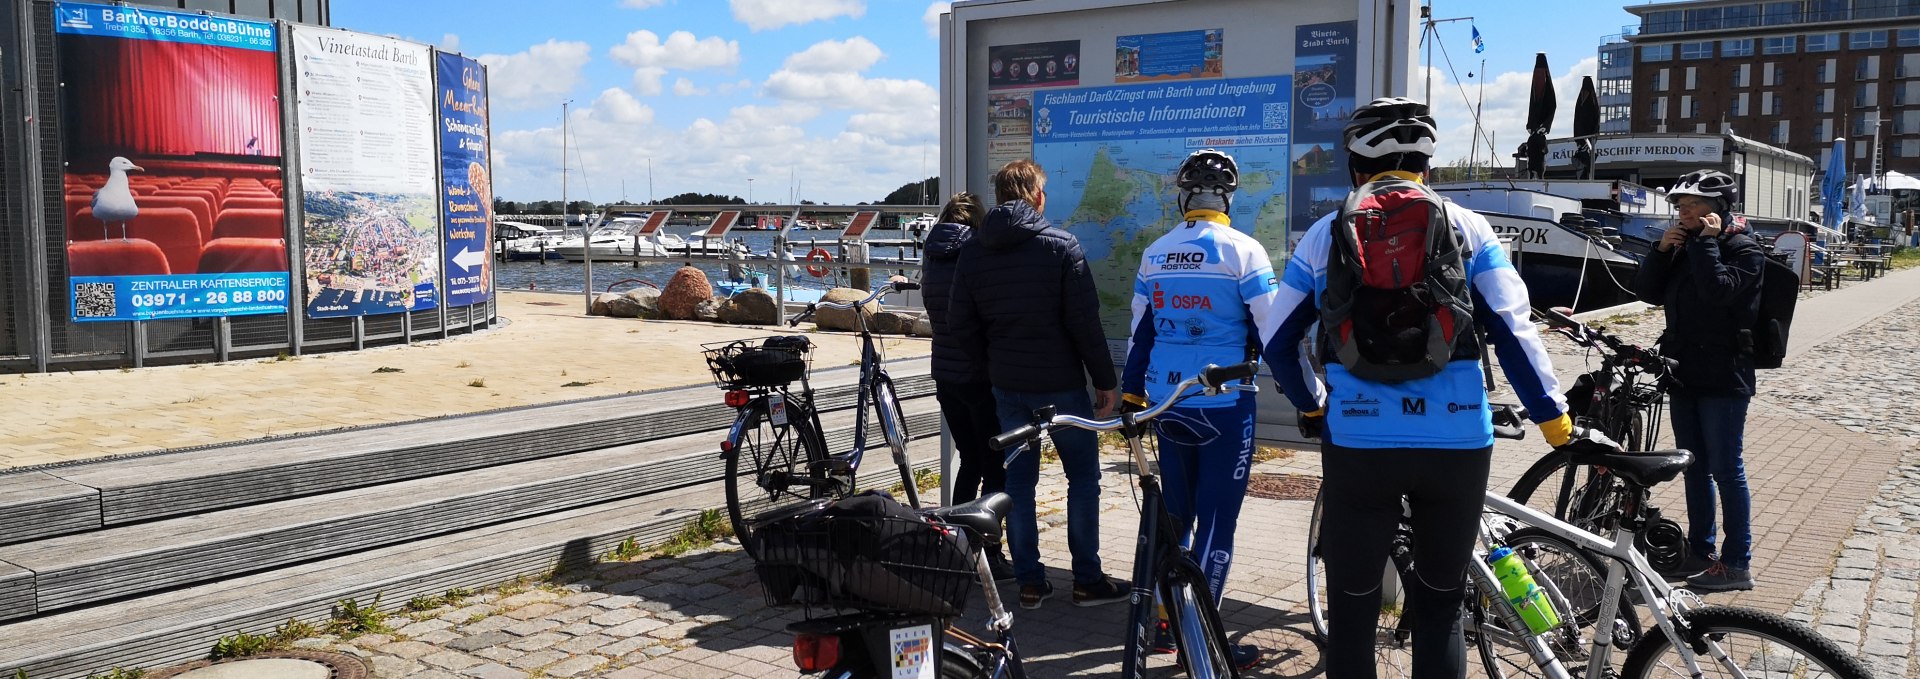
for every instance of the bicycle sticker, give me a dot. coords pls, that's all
(777, 409)
(912, 652)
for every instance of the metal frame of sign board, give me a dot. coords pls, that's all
(1386, 67)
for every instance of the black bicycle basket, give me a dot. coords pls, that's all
(860, 555)
(768, 362)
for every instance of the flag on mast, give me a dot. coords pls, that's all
(1478, 44)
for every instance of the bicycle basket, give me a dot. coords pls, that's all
(768, 362)
(900, 564)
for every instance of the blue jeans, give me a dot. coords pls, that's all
(1079, 457)
(1713, 427)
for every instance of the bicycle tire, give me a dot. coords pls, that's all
(1182, 593)
(1553, 472)
(893, 428)
(1711, 626)
(1579, 577)
(767, 449)
(1316, 572)
(1393, 642)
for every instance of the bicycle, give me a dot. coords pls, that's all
(776, 443)
(1480, 622)
(1623, 400)
(896, 583)
(1159, 558)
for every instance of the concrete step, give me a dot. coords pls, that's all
(115, 492)
(113, 563)
(182, 624)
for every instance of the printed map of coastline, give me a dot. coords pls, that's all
(1123, 199)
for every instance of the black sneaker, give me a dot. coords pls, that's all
(1722, 578)
(1032, 595)
(1694, 564)
(1106, 590)
(1001, 569)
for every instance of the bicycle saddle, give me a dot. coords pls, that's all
(981, 517)
(1647, 469)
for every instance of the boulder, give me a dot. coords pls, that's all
(842, 319)
(624, 306)
(599, 307)
(708, 311)
(752, 306)
(892, 322)
(645, 301)
(923, 327)
(684, 293)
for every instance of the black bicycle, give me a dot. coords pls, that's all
(1162, 567)
(1622, 399)
(776, 452)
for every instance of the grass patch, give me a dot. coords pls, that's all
(463, 364)
(116, 673)
(384, 369)
(242, 644)
(711, 527)
(627, 550)
(482, 383)
(1905, 258)
(282, 357)
(350, 619)
(923, 480)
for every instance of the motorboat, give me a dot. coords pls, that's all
(520, 241)
(918, 226)
(1576, 243)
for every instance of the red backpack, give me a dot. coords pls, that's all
(1396, 306)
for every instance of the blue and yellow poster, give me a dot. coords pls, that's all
(1180, 55)
(1323, 100)
(466, 185)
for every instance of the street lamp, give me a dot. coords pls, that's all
(749, 190)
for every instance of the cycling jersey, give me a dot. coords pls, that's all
(1447, 410)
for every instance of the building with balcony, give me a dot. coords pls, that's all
(1793, 74)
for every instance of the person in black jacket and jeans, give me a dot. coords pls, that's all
(1024, 304)
(1706, 272)
(959, 383)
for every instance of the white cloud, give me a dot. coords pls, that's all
(1503, 116)
(683, 87)
(652, 57)
(762, 15)
(641, 4)
(449, 42)
(539, 75)
(932, 18)
(616, 106)
(834, 56)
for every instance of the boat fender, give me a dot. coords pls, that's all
(819, 255)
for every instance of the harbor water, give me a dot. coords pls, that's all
(562, 275)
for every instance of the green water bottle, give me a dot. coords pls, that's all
(1535, 609)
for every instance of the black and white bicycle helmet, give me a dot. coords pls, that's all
(1391, 125)
(1707, 184)
(1208, 170)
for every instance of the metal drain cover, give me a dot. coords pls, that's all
(273, 665)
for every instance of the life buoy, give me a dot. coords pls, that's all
(819, 255)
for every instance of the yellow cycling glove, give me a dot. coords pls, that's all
(1558, 430)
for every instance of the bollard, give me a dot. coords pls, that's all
(858, 277)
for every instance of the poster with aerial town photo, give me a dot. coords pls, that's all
(371, 239)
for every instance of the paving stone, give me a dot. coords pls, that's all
(524, 598)
(498, 653)
(389, 666)
(460, 616)
(584, 644)
(617, 616)
(636, 627)
(532, 611)
(615, 601)
(409, 650)
(450, 660)
(579, 629)
(625, 646)
(1847, 636)
(494, 671)
(423, 627)
(674, 631)
(527, 628)
(493, 623)
(538, 641)
(574, 666)
(479, 641)
(581, 598)
(372, 640)
(537, 659)
(438, 636)
(574, 614)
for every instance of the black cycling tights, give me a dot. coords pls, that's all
(1363, 488)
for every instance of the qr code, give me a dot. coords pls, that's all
(1273, 116)
(94, 300)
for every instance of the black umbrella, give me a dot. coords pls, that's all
(1540, 107)
(1586, 124)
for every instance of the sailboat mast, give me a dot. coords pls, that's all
(564, 217)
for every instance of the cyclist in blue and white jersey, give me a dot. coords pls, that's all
(1428, 440)
(1204, 294)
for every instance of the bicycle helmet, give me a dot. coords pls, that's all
(1208, 170)
(1706, 184)
(1390, 125)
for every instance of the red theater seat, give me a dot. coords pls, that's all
(77, 202)
(244, 223)
(205, 195)
(202, 211)
(243, 255)
(172, 228)
(241, 202)
(115, 258)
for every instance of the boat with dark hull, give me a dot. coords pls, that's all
(1576, 243)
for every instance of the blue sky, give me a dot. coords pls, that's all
(839, 94)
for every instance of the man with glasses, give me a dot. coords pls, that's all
(1706, 272)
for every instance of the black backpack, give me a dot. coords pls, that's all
(1779, 291)
(1396, 306)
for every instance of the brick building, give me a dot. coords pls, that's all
(1793, 74)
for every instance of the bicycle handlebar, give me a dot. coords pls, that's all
(1213, 380)
(1586, 336)
(895, 284)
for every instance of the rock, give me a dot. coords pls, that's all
(642, 302)
(842, 319)
(893, 322)
(622, 306)
(684, 293)
(923, 327)
(752, 306)
(708, 310)
(599, 307)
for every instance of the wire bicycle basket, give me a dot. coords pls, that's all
(887, 564)
(762, 362)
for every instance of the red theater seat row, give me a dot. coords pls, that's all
(173, 229)
(250, 223)
(115, 258)
(243, 255)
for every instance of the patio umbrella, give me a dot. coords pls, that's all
(1859, 209)
(1586, 124)
(1540, 107)
(1834, 186)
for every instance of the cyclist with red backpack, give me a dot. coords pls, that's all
(1402, 286)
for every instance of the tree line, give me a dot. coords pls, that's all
(922, 192)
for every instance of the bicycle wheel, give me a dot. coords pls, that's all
(1576, 494)
(773, 465)
(1581, 581)
(1393, 643)
(1742, 642)
(1196, 624)
(893, 428)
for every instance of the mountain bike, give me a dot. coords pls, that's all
(896, 579)
(1623, 400)
(1162, 567)
(776, 451)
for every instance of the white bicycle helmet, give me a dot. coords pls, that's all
(1707, 184)
(1391, 125)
